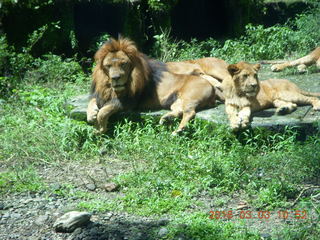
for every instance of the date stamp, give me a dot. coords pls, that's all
(261, 215)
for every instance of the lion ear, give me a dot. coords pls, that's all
(233, 69)
(98, 57)
(257, 67)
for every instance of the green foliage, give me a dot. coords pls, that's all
(52, 69)
(99, 41)
(20, 179)
(258, 43)
(297, 37)
(199, 226)
(168, 49)
(161, 5)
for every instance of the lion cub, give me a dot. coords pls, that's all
(244, 94)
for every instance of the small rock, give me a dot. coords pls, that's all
(111, 187)
(265, 236)
(71, 220)
(56, 186)
(41, 220)
(103, 151)
(6, 215)
(15, 215)
(163, 232)
(2, 206)
(91, 186)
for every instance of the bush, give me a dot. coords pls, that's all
(297, 37)
(52, 69)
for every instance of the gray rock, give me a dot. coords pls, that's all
(41, 220)
(111, 187)
(71, 220)
(6, 215)
(15, 215)
(91, 186)
(163, 232)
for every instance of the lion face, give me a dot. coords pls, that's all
(245, 78)
(117, 66)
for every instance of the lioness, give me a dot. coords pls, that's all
(244, 94)
(301, 63)
(212, 69)
(126, 79)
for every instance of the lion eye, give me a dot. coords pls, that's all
(107, 66)
(245, 75)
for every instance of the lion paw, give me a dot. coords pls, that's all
(275, 68)
(316, 107)
(302, 68)
(234, 126)
(282, 110)
(176, 132)
(102, 130)
(92, 116)
(162, 121)
(244, 124)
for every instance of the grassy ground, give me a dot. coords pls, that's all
(181, 178)
(209, 182)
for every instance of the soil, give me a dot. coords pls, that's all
(32, 215)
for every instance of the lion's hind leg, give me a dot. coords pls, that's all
(298, 98)
(195, 95)
(302, 63)
(178, 108)
(186, 117)
(176, 111)
(318, 63)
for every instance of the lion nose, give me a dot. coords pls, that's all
(253, 85)
(116, 77)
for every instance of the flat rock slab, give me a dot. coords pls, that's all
(304, 116)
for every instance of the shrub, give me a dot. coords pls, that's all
(53, 69)
(297, 37)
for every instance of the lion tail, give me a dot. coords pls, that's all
(313, 94)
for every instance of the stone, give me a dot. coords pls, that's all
(91, 186)
(71, 220)
(110, 187)
(163, 232)
(41, 220)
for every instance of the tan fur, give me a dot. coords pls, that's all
(214, 70)
(125, 79)
(246, 94)
(301, 63)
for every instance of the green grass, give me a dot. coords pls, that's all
(166, 175)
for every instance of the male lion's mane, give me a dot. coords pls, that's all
(140, 75)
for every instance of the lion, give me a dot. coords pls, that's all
(245, 94)
(301, 63)
(212, 69)
(126, 79)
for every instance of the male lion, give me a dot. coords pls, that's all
(301, 63)
(244, 94)
(126, 79)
